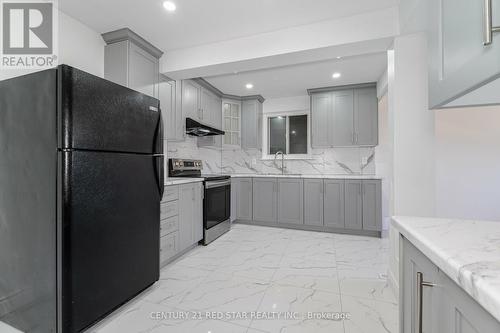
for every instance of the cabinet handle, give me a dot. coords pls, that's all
(489, 29)
(353, 139)
(420, 297)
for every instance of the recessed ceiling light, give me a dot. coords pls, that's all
(249, 86)
(339, 57)
(169, 5)
(336, 75)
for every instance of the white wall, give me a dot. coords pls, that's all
(413, 129)
(468, 163)
(79, 46)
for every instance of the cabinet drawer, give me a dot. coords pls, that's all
(169, 246)
(168, 209)
(171, 193)
(169, 225)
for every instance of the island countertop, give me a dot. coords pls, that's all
(467, 251)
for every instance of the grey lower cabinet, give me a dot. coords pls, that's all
(372, 205)
(446, 307)
(313, 202)
(334, 203)
(344, 116)
(181, 219)
(291, 200)
(244, 198)
(352, 205)
(265, 198)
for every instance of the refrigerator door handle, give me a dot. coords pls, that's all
(158, 162)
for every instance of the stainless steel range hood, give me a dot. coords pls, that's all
(195, 128)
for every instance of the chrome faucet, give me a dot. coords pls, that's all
(283, 167)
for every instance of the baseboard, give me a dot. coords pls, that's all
(304, 227)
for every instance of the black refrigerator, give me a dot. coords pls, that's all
(81, 179)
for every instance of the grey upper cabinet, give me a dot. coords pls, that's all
(366, 117)
(320, 124)
(169, 96)
(211, 108)
(265, 200)
(344, 117)
(251, 120)
(343, 134)
(372, 205)
(334, 203)
(313, 202)
(353, 204)
(244, 199)
(291, 200)
(131, 61)
(459, 60)
(191, 96)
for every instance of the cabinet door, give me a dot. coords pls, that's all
(168, 109)
(366, 117)
(244, 199)
(460, 312)
(353, 204)
(413, 262)
(186, 216)
(143, 71)
(265, 200)
(334, 210)
(249, 125)
(342, 126)
(190, 100)
(313, 202)
(216, 111)
(234, 191)
(372, 205)
(458, 59)
(321, 113)
(198, 194)
(291, 200)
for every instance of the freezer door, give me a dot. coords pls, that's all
(96, 114)
(110, 225)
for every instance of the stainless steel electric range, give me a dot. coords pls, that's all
(217, 199)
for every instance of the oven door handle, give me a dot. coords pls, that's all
(213, 184)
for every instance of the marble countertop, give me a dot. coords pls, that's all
(241, 175)
(467, 251)
(181, 180)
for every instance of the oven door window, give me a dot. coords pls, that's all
(217, 205)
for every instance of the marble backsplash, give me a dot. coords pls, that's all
(233, 160)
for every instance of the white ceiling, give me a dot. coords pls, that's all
(197, 22)
(295, 80)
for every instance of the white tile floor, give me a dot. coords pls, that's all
(268, 270)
